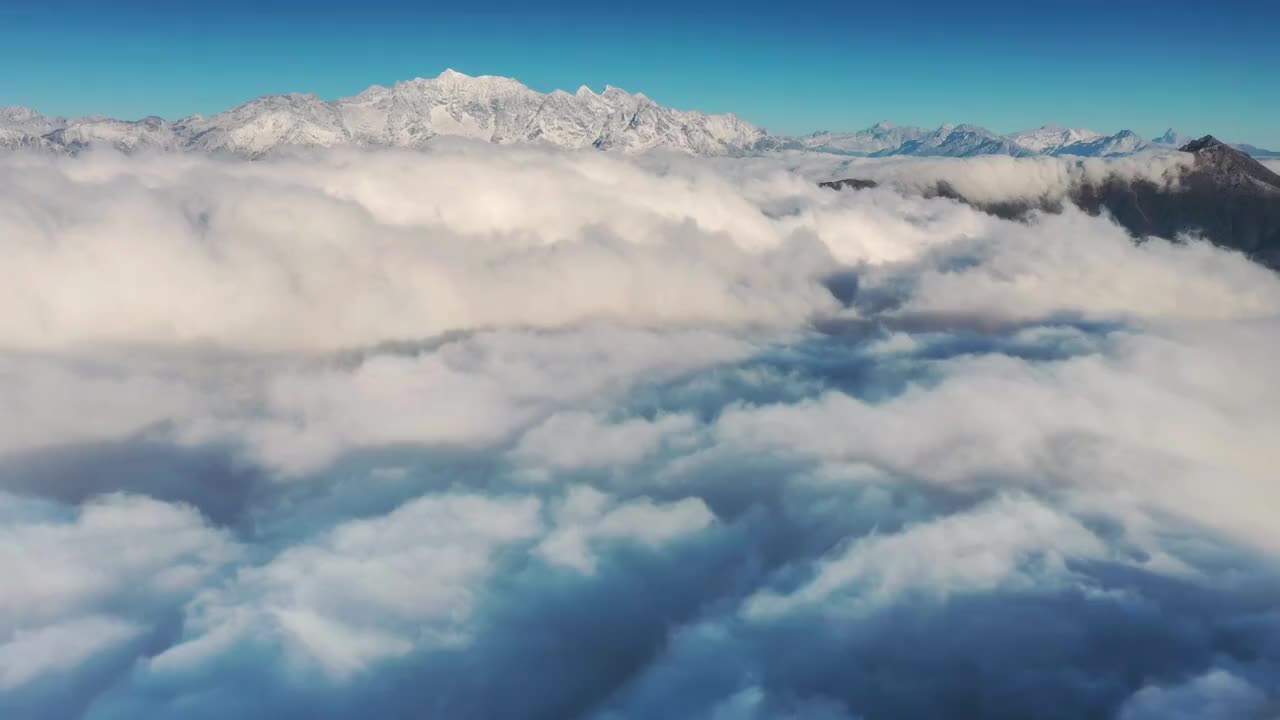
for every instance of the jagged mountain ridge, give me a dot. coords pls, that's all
(886, 139)
(958, 141)
(410, 114)
(504, 111)
(1173, 137)
(878, 138)
(1048, 139)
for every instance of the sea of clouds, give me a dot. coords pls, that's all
(483, 432)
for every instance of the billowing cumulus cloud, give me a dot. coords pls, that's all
(369, 588)
(484, 432)
(342, 250)
(1007, 542)
(89, 588)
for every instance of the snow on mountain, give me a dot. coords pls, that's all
(880, 137)
(408, 114)
(1125, 142)
(503, 111)
(970, 140)
(266, 123)
(1172, 138)
(23, 128)
(1047, 139)
(18, 119)
(1176, 140)
(634, 123)
(11, 139)
(150, 133)
(958, 141)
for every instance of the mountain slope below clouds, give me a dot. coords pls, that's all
(1229, 197)
(1223, 194)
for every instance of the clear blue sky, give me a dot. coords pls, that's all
(791, 67)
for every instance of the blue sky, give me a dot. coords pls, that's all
(792, 68)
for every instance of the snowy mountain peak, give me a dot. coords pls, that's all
(1049, 139)
(18, 113)
(1173, 138)
(21, 120)
(461, 82)
(881, 137)
(958, 141)
(1125, 142)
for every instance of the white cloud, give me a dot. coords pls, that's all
(1012, 542)
(37, 653)
(380, 588)
(1008, 412)
(48, 401)
(585, 518)
(576, 439)
(298, 415)
(1215, 695)
(79, 585)
(993, 178)
(1178, 420)
(368, 589)
(1076, 263)
(115, 546)
(469, 392)
(178, 256)
(342, 248)
(997, 178)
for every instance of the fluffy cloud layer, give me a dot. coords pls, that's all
(505, 432)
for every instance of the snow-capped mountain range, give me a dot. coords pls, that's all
(885, 139)
(1049, 139)
(504, 111)
(409, 114)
